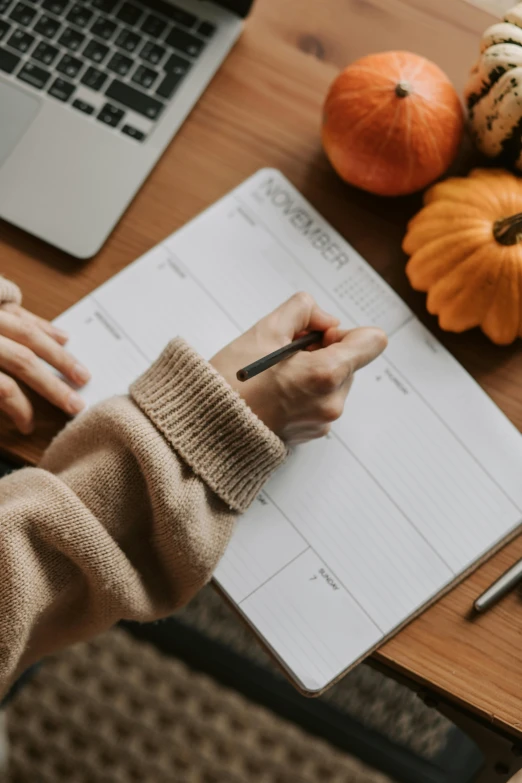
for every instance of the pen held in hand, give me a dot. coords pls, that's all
(260, 365)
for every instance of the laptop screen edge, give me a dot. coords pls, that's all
(239, 7)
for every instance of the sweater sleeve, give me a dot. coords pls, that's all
(129, 511)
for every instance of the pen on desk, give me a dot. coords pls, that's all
(499, 588)
(260, 365)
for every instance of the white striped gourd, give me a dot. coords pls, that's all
(494, 92)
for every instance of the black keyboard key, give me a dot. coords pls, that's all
(129, 13)
(110, 115)
(95, 51)
(207, 29)
(133, 132)
(145, 77)
(55, 6)
(134, 99)
(185, 42)
(120, 64)
(4, 5)
(128, 40)
(23, 14)
(169, 84)
(104, 5)
(61, 89)
(21, 40)
(86, 108)
(80, 15)
(94, 78)
(153, 26)
(34, 75)
(70, 66)
(104, 28)
(177, 64)
(8, 61)
(4, 28)
(152, 52)
(47, 26)
(72, 39)
(45, 53)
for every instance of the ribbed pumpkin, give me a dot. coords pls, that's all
(494, 92)
(465, 248)
(392, 123)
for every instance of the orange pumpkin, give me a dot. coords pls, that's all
(392, 123)
(465, 248)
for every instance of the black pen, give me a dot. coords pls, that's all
(277, 356)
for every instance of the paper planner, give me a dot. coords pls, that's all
(357, 531)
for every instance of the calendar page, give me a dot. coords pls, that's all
(416, 482)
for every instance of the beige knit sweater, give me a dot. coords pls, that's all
(130, 509)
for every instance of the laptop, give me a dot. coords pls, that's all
(91, 93)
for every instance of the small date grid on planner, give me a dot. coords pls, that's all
(361, 289)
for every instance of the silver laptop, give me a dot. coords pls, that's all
(91, 93)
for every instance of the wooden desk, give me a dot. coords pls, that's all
(263, 109)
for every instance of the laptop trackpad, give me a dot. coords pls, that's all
(18, 109)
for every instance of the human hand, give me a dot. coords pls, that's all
(26, 340)
(301, 396)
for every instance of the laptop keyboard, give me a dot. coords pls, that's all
(134, 55)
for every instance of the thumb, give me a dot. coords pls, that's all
(298, 314)
(355, 348)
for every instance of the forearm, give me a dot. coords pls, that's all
(130, 511)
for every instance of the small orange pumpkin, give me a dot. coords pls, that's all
(392, 123)
(465, 248)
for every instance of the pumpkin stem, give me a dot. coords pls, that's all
(403, 89)
(508, 231)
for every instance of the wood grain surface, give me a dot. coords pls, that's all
(263, 109)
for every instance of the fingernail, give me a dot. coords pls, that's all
(75, 404)
(376, 337)
(60, 333)
(380, 337)
(80, 373)
(328, 316)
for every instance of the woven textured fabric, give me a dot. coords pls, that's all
(118, 711)
(365, 694)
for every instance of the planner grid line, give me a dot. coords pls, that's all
(276, 573)
(390, 498)
(304, 639)
(354, 599)
(118, 325)
(205, 290)
(454, 434)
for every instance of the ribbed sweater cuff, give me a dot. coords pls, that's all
(208, 424)
(9, 292)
